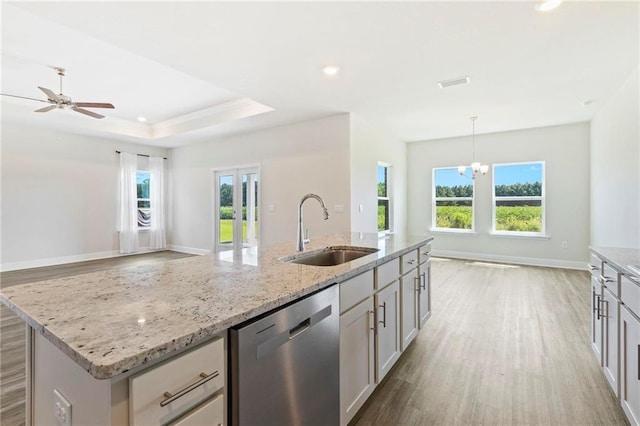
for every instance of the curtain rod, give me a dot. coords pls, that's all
(141, 155)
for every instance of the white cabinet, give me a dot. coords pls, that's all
(380, 312)
(630, 365)
(610, 327)
(387, 303)
(209, 413)
(357, 358)
(424, 292)
(161, 394)
(409, 286)
(596, 314)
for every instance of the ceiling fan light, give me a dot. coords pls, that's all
(475, 166)
(461, 169)
(484, 169)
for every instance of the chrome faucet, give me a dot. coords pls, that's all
(301, 239)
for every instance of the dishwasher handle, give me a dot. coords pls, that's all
(274, 342)
(304, 325)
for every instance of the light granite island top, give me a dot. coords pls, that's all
(113, 321)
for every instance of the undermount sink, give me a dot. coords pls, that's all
(331, 256)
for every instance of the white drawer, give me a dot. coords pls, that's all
(387, 273)
(176, 376)
(630, 294)
(211, 413)
(355, 290)
(609, 277)
(595, 264)
(424, 253)
(408, 261)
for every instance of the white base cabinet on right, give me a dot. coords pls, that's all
(630, 363)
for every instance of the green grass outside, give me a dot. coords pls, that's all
(226, 230)
(508, 218)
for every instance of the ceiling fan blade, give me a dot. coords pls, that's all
(93, 105)
(24, 97)
(87, 112)
(50, 94)
(47, 108)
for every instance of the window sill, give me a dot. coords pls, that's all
(462, 232)
(522, 235)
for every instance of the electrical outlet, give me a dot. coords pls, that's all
(61, 409)
(565, 245)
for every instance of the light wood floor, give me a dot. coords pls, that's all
(12, 334)
(504, 346)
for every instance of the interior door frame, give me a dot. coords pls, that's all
(236, 172)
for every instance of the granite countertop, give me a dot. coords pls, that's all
(626, 260)
(112, 321)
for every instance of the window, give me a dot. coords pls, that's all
(384, 198)
(144, 202)
(518, 198)
(452, 203)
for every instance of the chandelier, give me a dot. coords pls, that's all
(476, 167)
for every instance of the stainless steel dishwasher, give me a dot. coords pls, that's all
(285, 365)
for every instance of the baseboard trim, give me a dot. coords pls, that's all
(530, 261)
(190, 250)
(38, 263)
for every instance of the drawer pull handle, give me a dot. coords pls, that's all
(606, 279)
(411, 262)
(593, 267)
(204, 379)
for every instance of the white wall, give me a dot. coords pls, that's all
(369, 145)
(615, 169)
(59, 196)
(294, 160)
(565, 150)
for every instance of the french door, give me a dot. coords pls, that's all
(236, 209)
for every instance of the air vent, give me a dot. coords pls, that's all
(454, 82)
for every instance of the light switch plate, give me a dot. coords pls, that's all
(61, 409)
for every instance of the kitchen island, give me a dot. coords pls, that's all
(117, 323)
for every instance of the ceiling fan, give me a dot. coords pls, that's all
(63, 102)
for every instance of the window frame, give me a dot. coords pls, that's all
(541, 198)
(147, 209)
(388, 198)
(435, 199)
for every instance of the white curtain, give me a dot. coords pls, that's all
(128, 224)
(156, 189)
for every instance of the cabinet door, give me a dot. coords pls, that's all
(610, 327)
(630, 365)
(409, 307)
(357, 358)
(388, 329)
(424, 293)
(596, 318)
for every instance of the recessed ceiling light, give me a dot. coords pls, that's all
(142, 119)
(454, 82)
(548, 5)
(330, 70)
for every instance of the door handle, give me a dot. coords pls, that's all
(598, 307)
(424, 281)
(417, 287)
(384, 314)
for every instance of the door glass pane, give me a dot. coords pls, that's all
(225, 215)
(249, 209)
